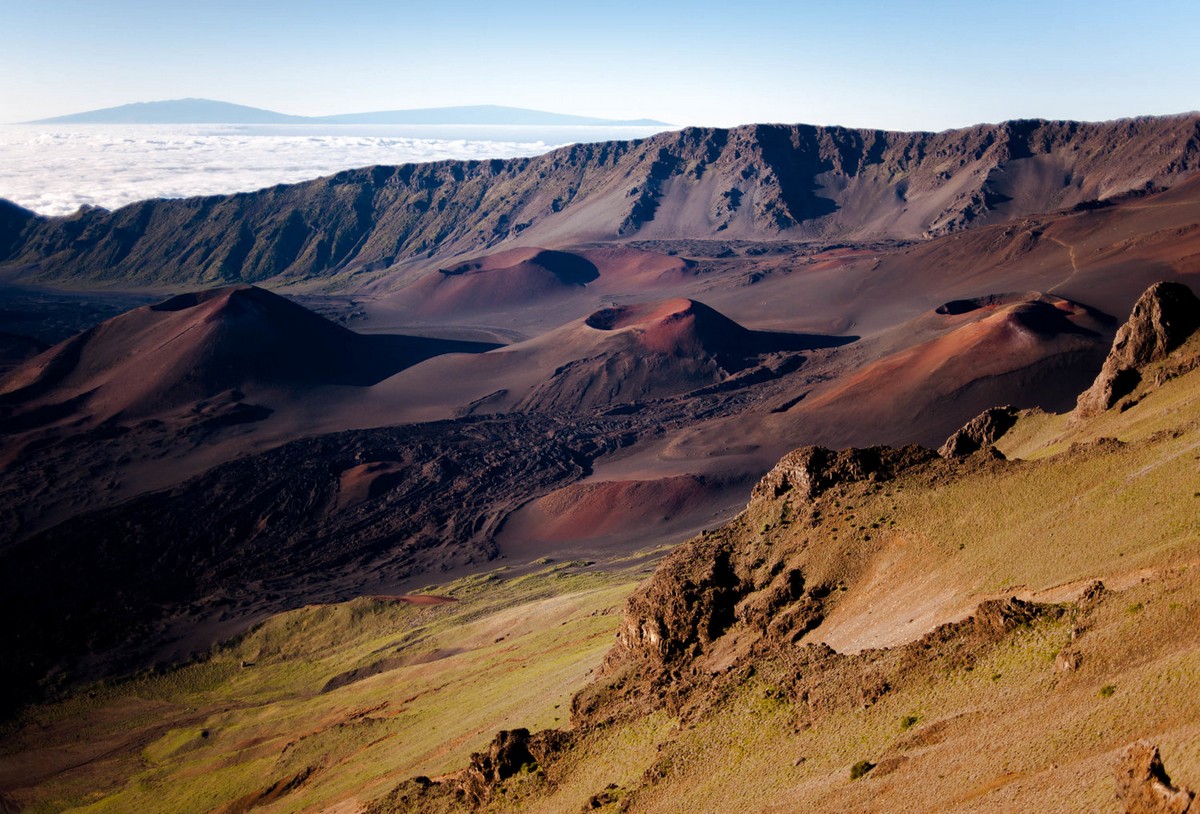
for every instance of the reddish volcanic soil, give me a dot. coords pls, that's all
(423, 600)
(517, 277)
(196, 346)
(641, 386)
(984, 354)
(598, 517)
(519, 293)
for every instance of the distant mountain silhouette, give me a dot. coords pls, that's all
(479, 114)
(208, 111)
(177, 111)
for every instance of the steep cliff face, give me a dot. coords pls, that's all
(13, 222)
(981, 432)
(1162, 320)
(735, 593)
(752, 182)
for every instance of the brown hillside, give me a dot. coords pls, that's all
(652, 350)
(501, 280)
(752, 182)
(196, 346)
(870, 632)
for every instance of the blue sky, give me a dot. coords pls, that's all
(899, 65)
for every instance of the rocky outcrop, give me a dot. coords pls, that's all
(983, 430)
(754, 182)
(1163, 318)
(715, 581)
(686, 605)
(809, 471)
(1143, 786)
(999, 616)
(726, 597)
(510, 752)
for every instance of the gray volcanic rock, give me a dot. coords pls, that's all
(752, 182)
(981, 431)
(1164, 316)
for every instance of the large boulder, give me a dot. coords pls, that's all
(1143, 785)
(983, 430)
(510, 752)
(1163, 318)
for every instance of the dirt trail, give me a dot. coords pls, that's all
(1074, 264)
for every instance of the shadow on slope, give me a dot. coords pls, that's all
(668, 348)
(197, 345)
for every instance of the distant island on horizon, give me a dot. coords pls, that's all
(209, 111)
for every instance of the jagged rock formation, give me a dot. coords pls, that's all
(983, 430)
(708, 585)
(756, 182)
(1143, 785)
(509, 753)
(728, 596)
(809, 471)
(1163, 318)
(814, 678)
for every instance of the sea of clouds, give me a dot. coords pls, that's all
(55, 169)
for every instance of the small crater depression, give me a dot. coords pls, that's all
(956, 307)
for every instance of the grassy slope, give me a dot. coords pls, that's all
(1008, 734)
(1005, 730)
(508, 653)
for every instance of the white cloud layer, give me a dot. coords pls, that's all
(55, 169)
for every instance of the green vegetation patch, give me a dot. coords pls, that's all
(341, 701)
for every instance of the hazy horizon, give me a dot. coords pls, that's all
(332, 119)
(53, 169)
(900, 66)
(210, 111)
